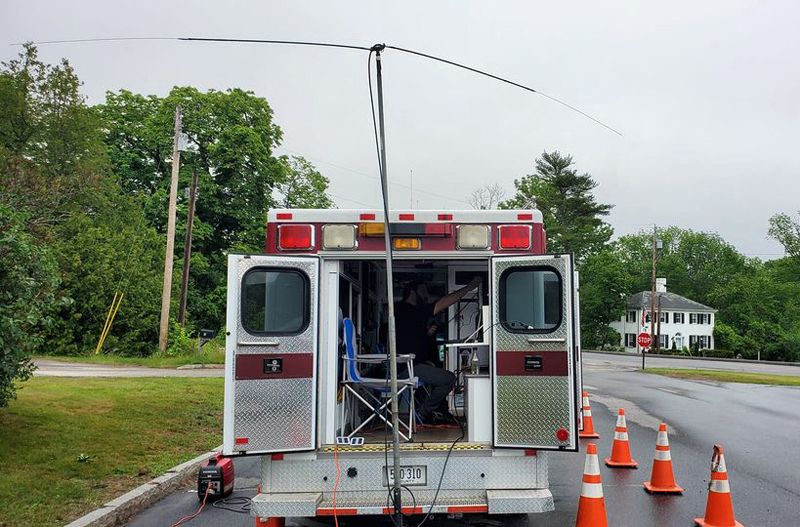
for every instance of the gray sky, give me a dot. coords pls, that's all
(707, 94)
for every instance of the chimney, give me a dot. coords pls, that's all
(661, 285)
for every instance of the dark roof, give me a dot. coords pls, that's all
(668, 301)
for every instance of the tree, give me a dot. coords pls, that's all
(302, 186)
(232, 138)
(28, 280)
(487, 197)
(786, 231)
(572, 216)
(51, 151)
(604, 288)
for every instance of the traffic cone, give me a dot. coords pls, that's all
(661, 478)
(588, 426)
(591, 506)
(621, 450)
(719, 507)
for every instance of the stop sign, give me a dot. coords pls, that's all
(644, 340)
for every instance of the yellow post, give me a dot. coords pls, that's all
(111, 321)
(105, 325)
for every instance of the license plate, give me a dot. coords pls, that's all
(409, 475)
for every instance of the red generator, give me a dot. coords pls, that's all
(216, 474)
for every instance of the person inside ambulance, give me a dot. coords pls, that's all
(413, 316)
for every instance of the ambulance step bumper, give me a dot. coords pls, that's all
(376, 502)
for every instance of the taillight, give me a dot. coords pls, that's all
(562, 434)
(406, 244)
(514, 237)
(295, 237)
(339, 237)
(472, 237)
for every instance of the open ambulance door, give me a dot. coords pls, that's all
(534, 362)
(576, 308)
(271, 354)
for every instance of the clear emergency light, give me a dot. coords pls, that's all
(514, 237)
(472, 237)
(340, 237)
(295, 237)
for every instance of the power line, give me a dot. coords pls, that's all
(289, 42)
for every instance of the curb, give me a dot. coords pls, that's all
(133, 502)
(719, 359)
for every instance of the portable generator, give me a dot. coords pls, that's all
(215, 474)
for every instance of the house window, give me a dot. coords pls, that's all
(663, 341)
(703, 341)
(663, 317)
(630, 340)
(631, 316)
(677, 318)
(692, 318)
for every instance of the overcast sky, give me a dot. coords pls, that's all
(706, 94)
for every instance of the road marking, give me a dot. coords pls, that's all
(587, 387)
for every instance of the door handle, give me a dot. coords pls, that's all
(545, 341)
(251, 343)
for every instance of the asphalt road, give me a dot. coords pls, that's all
(56, 368)
(759, 427)
(652, 361)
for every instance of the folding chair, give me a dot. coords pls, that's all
(372, 385)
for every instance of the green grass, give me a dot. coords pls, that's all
(727, 376)
(213, 353)
(132, 430)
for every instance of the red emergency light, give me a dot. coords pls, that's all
(295, 237)
(514, 237)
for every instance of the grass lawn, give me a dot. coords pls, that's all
(727, 376)
(69, 445)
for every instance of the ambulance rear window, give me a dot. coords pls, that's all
(530, 299)
(275, 301)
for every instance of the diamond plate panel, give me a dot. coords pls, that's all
(520, 501)
(422, 497)
(285, 505)
(274, 414)
(466, 472)
(303, 343)
(510, 341)
(530, 410)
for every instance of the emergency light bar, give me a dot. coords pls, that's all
(472, 237)
(514, 237)
(296, 237)
(341, 237)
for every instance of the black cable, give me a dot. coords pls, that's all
(237, 504)
(501, 79)
(261, 41)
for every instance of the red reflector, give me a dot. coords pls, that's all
(241, 440)
(367, 217)
(277, 457)
(530, 452)
(515, 237)
(445, 216)
(295, 236)
(406, 217)
(562, 434)
(284, 215)
(524, 216)
(438, 229)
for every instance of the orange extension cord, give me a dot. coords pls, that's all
(193, 516)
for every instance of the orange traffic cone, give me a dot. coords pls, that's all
(621, 450)
(591, 506)
(588, 426)
(661, 478)
(719, 507)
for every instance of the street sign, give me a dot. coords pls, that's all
(644, 340)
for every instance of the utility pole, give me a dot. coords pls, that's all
(652, 295)
(187, 250)
(411, 190)
(396, 487)
(658, 327)
(168, 256)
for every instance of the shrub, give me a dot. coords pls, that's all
(718, 353)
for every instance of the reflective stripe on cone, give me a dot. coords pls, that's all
(621, 450)
(662, 478)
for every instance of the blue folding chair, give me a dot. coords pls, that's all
(373, 385)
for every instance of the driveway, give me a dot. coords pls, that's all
(55, 368)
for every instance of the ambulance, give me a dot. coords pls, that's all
(306, 386)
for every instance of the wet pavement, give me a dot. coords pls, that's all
(759, 427)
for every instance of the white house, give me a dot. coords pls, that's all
(684, 322)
